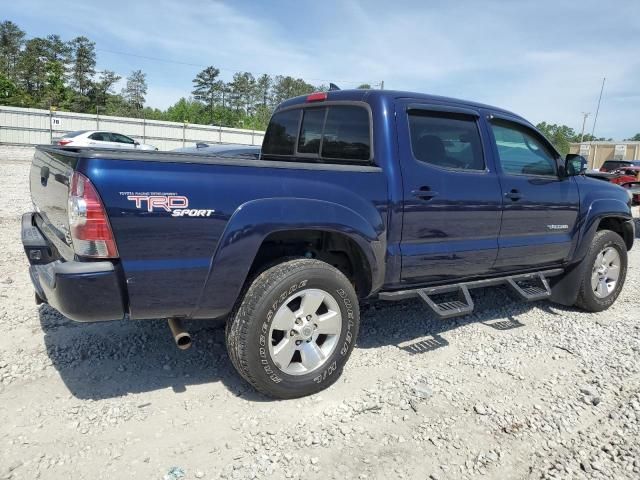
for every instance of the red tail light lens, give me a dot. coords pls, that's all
(317, 97)
(64, 141)
(90, 230)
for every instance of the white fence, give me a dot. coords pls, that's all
(29, 126)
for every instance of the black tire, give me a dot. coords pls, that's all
(587, 299)
(248, 327)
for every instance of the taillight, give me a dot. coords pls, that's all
(64, 141)
(317, 97)
(90, 230)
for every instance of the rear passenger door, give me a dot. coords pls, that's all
(540, 208)
(452, 199)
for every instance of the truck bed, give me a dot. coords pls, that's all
(166, 261)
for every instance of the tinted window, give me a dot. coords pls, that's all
(613, 164)
(446, 140)
(280, 137)
(521, 152)
(311, 130)
(116, 137)
(100, 136)
(346, 133)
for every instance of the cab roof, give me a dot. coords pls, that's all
(370, 96)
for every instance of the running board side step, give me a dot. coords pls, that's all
(530, 292)
(453, 308)
(528, 286)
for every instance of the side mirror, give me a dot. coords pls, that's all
(575, 164)
(136, 143)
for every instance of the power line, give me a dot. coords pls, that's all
(223, 69)
(198, 65)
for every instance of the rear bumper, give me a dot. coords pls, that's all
(81, 291)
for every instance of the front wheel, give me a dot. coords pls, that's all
(605, 272)
(295, 329)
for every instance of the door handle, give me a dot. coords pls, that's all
(514, 195)
(424, 193)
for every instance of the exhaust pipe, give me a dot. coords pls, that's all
(180, 336)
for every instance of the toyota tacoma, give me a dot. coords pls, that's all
(356, 194)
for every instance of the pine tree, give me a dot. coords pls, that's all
(83, 68)
(207, 89)
(11, 43)
(136, 89)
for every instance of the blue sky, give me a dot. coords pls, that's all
(542, 59)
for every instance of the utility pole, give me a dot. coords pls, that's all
(584, 120)
(595, 119)
(382, 85)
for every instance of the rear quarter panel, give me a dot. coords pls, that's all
(178, 266)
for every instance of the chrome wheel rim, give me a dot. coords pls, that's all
(605, 272)
(305, 331)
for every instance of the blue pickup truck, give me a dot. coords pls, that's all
(355, 194)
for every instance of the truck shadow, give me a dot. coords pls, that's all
(415, 329)
(112, 359)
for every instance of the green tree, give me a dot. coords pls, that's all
(288, 87)
(207, 88)
(55, 92)
(103, 87)
(136, 89)
(635, 138)
(83, 64)
(57, 49)
(32, 67)
(243, 90)
(263, 89)
(561, 136)
(364, 86)
(185, 110)
(11, 42)
(12, 94)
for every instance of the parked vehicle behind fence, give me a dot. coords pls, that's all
(100, 139)
(356, 194)
(611, 165)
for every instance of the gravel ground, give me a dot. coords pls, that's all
(513, 391)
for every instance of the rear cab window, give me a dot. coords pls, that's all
(330, 133)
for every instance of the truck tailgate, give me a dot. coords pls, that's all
(49, 179)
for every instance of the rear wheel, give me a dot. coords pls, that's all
(605, 272)
(295, 328)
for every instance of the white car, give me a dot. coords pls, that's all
(101, 139)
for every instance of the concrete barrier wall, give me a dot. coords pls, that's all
(29, 126)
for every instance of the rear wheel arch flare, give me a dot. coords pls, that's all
(334, 248)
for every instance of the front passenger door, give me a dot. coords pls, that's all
(123, 141)
(540, 208)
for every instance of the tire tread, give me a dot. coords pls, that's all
(239, 322)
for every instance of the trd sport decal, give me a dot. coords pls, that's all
(177, 205)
